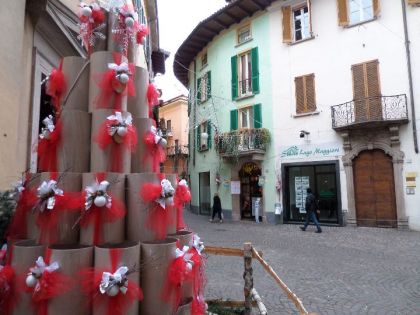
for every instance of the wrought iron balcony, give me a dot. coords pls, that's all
(242, 142)
(370, 112)
(177, 150)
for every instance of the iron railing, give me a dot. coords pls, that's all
(242, 141)
(370, 110)
(177, 150)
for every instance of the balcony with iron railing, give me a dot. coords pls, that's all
(177, 150)
(247, 141)
(370, 112)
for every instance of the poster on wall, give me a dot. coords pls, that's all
(301, 183)
(235, 187)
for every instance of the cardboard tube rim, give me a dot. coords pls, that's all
(164, 242)
(123, 245)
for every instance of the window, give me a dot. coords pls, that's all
(168, 125)
(352, 12)
(244, 34)
(204, 87)
(305, 94)
(248, 117)
(204, 60)
(204, 136)
(245, 74)
(297, 22)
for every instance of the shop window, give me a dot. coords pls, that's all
(245, 74)
(244, 34)
(204, 87)
(305, 94)
(353, 12)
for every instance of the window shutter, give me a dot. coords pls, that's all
(234, 66)
(199, 90)
(287, 24)
(234, 119)
(376, 7)
(255, 71)
(257, 116)
(209, 140)
(208, 85)
(373, 91)
(359, 92)
(198, 138)
(300, 95)
(414, 2)
(310, 93)
(343, 16)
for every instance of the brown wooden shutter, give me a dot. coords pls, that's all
(300, 95)
(376, 7)
(373, 90)
(359, 92)
(414, 2)
(310, 93)
(287, 24)
(343, 16)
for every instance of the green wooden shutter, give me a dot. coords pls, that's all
(257, 116)
(199, 90)
(208, 85)
(209, 133)
(234, 66)
(234, 119)
(198, 138)
(255, 71)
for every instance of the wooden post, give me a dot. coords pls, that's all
(249, 280)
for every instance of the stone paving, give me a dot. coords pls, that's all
(344, 270)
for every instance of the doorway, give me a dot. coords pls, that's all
(374, 189)
(251, 191)
(204, 193)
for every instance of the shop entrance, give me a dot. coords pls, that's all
(205, 198)
(374, 189)
(251, 191)
(323, 179)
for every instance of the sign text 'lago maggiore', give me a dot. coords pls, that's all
(311, 151)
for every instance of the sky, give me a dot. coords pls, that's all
(177, 19)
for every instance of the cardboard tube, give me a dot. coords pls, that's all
(75, 139)
(129, 257)
(172, 227)
(69, 182)
(138, 105)
(112, 232)
(185, 307)
(101, 159)
(114, 45)
(139, 162)
(78, 99)
(98, 65)
(184, 237)
(71, 259)
(156, 257)
(25, 253)
(137, 209)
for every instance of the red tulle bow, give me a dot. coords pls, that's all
(158, 218)
(110, 305)
(8, 297)
(182, 196)
(48, 149)
(88, 24)
(142, 32)
(56, 86)
(128, 142)
(152, 98)
(112, 88)
(155, 153)
(177, 274)
(198, 279)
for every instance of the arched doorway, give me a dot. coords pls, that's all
(249, 176)
(374, 189)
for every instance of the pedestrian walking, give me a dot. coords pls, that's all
(311, 208)
(217, 208)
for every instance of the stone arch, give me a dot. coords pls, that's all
(397, 155)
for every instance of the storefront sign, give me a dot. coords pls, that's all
(235, 187)
(311, 151)
(301, 183)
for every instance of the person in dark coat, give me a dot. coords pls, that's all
(311, 208)
(217, 208)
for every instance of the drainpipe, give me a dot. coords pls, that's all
(410, 76)
(195, 113)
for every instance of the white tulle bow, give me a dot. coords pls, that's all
(118, 278)
(183, 182)
(197, 243)
(157, 134)
(123, 67)
(49, 127)
(95, 190)
(166, 194)
(48, 191)
(41, 267)
(184, 254)
(121, 122)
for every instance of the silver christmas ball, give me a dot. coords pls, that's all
(163, 142)
(129, 21)
(123, 78)
(100, 201)
(31, 281)
(113, 291)
(87, 11)
(122, 131)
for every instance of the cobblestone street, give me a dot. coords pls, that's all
(344, 270)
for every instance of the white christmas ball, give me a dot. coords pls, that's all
(31, 281)
(100, 201)
(113, 291)
(163, 142)
(86, 11)
(129, 21)
(122, 131)
(123, 78)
